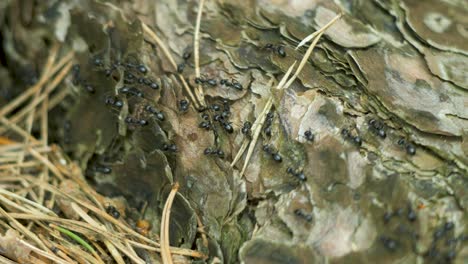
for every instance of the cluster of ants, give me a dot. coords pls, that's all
(377, 128)
(440, 251)
(135, 81)
(134, 78)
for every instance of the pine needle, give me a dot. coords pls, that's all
(257, 126)
(28, 93)
(75, 237)
(196, 51)
(284, 84)
(79, 240)
(318, 34)
(166, 52)
(165, 252)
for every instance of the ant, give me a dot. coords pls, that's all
(111, 210)
(217, 152)
(228, 127)
(183, 105)
(201, 80)
(170, 147)
(187, 54)
(410, 148)
(181, 67)
(131, 91)
(103, 169)
(299, 175)
(205, 124)
(275, 154)
(268, 123)
(246, 129)
(301, 213)
(89, 88)
(233, 84)
(98, 62)
(131, 120)
(309, 136)
(278, 49)
(357, 140)
(159, 115)
(142, 69)
(377, 128)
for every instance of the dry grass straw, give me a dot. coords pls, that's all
(165, 251)
(197, 101)
(31, 174)
(196, 49)
(283, 84)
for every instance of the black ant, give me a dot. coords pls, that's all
(269, 46)
(277, 157)
(187, 54)
(201, 80)
(142, 69)
(103, 169)
(89, 88)
(301, 213)
(411, 215)
(299, 175)
(308, 135)
(345, 133)
(278, 49)
(233, 84)
(268, 123)
(389, 243)
(142, 122)
(108, 72)
(246, 129)
(274, 154)
(218, 117)
(377, 128)
(225, 82)
(159, 115)
(215, 107)
(410, 148)
(236, 85)
(153, 85)
(66, 131)
(129, 76)
(111, 210)
(181, 67)
(211, 82)
(228, 127)
(357, 140)
(76, 69)
(183, 105)
(114, 102)
(226, 105)
(205, 124)
(217, 152)
(170, 147)
(76, 74)
(98, 62)
(131, 91)
(131, 120)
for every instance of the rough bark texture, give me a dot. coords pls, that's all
(384, 94)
